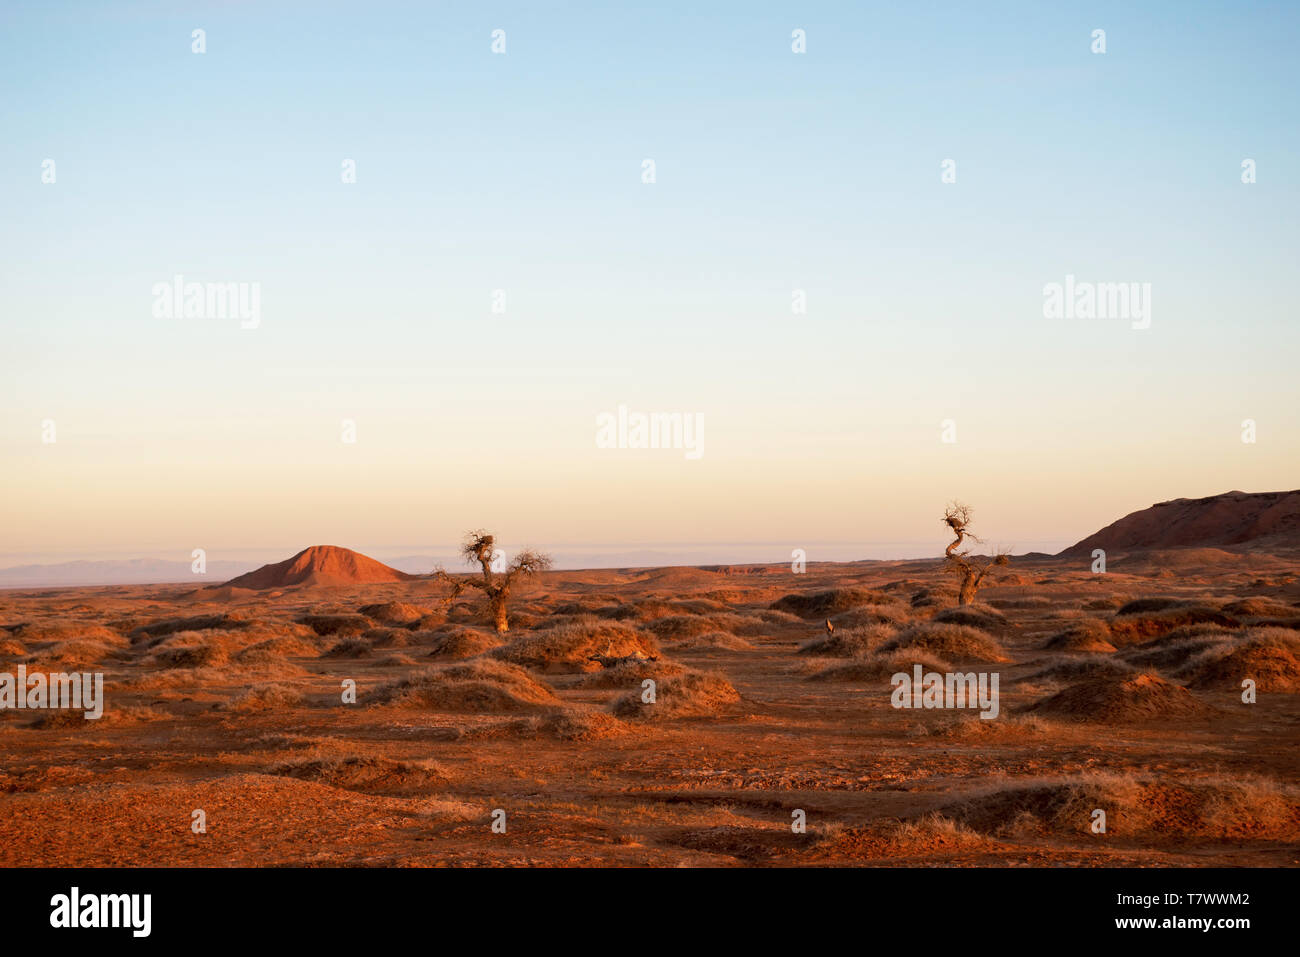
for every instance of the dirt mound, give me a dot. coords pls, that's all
(972, 728)
(231, 621)
(1235, 807)
(934, 596)
(1074, 670)
(187, 653)
(881, 667)
(823, 604)
(711, 641)
(1177, 647)
(273, 696)
(386, 636)
(1232, 518)
(349, 648)
(1128, 628)
(71, 718)
(1260, 608)
(277, 649)
(1140, 606)
(1089, 635)
(31, 632)
(569, 724)
(458, 643)
(477, 686)
(630, 674)
(567, 648)
(768, 616)
(677, 627)
(319, 565)
(341, 626)
(955, 642)
(1268, 656)
(848, 642)
(688, 695)
(631, 611)
(77, 655)
(976, 616)
(395, 612)
(367, 774)
(1143, 697)
(891, 614)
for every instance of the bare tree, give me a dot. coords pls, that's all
(479, 549)
(972, 570)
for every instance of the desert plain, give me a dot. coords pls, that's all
(771, 739)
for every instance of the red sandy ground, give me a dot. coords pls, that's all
(712, 790)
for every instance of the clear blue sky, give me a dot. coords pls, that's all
(775, 172)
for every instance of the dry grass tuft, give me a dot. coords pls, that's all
(477, 686)
(567, 648)
(272, 696)
(350, 648)
(1237, 808)
(848, 642)
(824, 604)
(982, 617)
(395, 612)
(954, 642)
(456, 643)
(367, 774)
(630, 674)
(688, 695)
(712, 641)
(569, 724)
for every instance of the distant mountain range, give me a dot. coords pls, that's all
(1255, 521)
(160, 571)
(131, 571)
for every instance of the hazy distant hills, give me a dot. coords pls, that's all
(133, 571)
(150, 571)
(1250, 521)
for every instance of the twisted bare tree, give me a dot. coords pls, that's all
(479, 548)
(972, 570)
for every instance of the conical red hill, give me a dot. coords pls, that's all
(320, 565)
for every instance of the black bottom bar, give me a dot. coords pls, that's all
(940, 907)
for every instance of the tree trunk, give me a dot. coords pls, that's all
(969, 583)
(499, 613)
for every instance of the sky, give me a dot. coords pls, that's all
(776, 175)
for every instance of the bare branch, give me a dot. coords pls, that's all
(528, 562)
